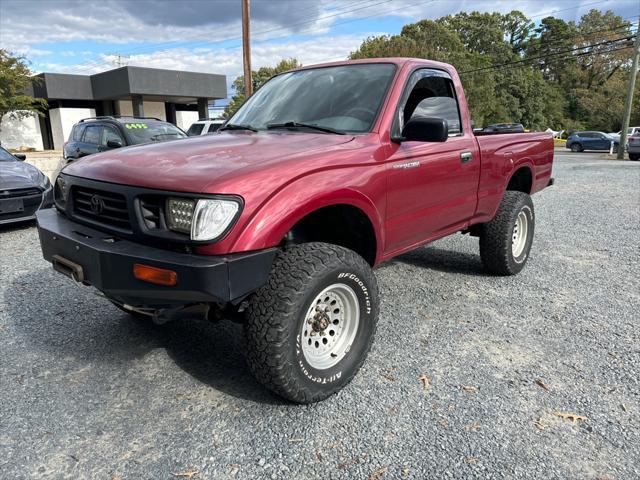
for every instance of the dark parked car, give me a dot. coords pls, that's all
(23, 189)
(504, 128)
(633, 146)
(93, 135)
(580, 141)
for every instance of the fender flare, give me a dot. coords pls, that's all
(261, 231)
(523, 163)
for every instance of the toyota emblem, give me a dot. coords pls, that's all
(97, 205)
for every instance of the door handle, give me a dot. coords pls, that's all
(466, 157)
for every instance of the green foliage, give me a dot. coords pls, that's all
(258, 78)
(16, 81)
(548, 88)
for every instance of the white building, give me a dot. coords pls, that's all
(175, 96)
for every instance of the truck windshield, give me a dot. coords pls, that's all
(144, 132)
(344, 98)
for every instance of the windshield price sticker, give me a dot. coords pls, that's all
(135, 125)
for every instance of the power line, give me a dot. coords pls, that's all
(567, 56)
(493, 67)
(353, 3)
(96, 64)
(578, 6)
(583, 35)
(288, 27)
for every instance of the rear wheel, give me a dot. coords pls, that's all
(576, 147)
(310, 328)
(634, 156)
(506, 240)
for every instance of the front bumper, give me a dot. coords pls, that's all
(107, 264)
(32, 203)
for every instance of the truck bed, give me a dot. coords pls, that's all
(502, 154)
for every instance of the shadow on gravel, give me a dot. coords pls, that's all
(444, 261)
(17, 226)
(52, 314)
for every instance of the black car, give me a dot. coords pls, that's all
(97, 134)
(504, 128)
(23, 189)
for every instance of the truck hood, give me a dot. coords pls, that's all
(18, 175)
(191, 164)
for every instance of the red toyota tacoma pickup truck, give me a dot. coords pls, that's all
(278, 219)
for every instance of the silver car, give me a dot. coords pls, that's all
(633, 146)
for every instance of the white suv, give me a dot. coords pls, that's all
(630, 131)
(204, 127)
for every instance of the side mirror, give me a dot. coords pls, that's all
(114, 143)
(426, 129)
(20, 156)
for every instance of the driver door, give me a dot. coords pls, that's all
(432, 186)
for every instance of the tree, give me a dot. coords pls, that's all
(474, 43)
(258, 78)
(553, 38)
(15, 82)
(514, 72)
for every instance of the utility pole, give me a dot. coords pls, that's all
(629, 101)
(246, 49)
(119, 60)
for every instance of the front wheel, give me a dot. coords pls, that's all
(576, 147)
(506, 240)
(634, 156)
(310, 328)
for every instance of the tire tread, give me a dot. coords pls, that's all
(273, 309)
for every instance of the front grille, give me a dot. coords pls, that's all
(151, 209)
(100, 207)
(31, 200)
(20, 192)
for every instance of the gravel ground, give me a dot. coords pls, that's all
(87, 392)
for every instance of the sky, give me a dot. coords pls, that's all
(85, 37)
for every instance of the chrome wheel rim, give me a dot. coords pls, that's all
(330, 326)
(519, 236)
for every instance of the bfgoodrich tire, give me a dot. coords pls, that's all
(310, 328)
(506, 240)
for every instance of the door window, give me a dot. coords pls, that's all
(111, 133)
(77, 133)
(195, 129)
(213, 127)
(92, 134)
(430, 93)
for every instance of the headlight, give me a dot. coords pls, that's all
(45, 184)
(180, 214)
(204, 219)
(61, 192)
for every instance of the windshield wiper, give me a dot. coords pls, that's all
(237, 126)
(312, 126)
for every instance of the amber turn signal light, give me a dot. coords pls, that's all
(159, 276)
